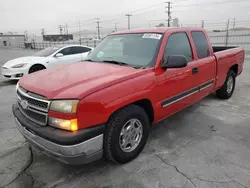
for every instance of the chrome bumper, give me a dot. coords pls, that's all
(81, 153)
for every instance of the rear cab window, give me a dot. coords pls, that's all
(178, 44)
(201, 44)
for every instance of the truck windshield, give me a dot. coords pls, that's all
(137, 50)
(46, 52)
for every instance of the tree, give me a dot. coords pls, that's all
(160, 25)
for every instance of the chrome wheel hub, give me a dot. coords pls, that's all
(230, 84)
(130, 136)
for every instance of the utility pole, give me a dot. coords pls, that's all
(98, 27)
(115, 26)
(227, 31)
(61, 29)
(43, 32)
(66, 26)
(169, 13)
(128, 15)
(202, 23)
(26, 35)
(234, 23)
(80, 32)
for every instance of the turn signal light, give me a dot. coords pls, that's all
(66, 124)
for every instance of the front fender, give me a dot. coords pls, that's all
(98, 107)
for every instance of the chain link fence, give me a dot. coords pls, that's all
(45, 44)
(239, 38)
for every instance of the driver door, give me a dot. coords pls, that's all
(178, 86)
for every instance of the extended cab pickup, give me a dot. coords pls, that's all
(105, 105)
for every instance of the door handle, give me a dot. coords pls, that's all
(195, 70)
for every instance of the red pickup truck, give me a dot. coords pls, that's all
(133, 79)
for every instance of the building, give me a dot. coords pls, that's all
(11, 40)
(60, 37)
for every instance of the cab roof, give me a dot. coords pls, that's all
(157, 30)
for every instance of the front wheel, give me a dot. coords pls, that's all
(126, 135)
(36, 68)
(226, 91)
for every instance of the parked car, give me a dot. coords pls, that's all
(47, 58)
(131, 80)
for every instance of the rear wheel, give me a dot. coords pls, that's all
(226, 91)
(36, 68)
(126, 134)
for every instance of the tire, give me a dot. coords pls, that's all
(114, 138)
(36, 68)
(226, 91)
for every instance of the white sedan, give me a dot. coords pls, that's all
(47, 58)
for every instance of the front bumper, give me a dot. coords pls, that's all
(80, 153)
(12, 73)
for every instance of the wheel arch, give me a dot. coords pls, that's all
(37, 64)
(145, 104)
(234, 68)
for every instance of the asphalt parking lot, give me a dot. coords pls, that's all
(206, 145)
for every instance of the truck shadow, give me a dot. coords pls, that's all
(182, 129)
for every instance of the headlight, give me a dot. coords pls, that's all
(19, 65)
(17, 85)
(66, 124)
(65, 106)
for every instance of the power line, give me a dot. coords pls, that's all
(137, 10)
(212, 3)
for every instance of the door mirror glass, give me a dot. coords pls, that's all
(59, 55)
(174, 61)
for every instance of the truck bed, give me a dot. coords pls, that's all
(222, 48)
(226, 57)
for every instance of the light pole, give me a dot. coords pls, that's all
(128, 15)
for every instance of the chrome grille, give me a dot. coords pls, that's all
(35, 102)
(35, 109)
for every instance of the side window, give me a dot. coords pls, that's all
(66, 51)
(201, 44)
(178, 44)
(79, 50)
(84, 49)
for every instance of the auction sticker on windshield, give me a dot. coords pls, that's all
(152, 36)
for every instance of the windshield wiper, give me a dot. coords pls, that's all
(115, 62)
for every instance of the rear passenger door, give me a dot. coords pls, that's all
(84, 51)
(206, 63)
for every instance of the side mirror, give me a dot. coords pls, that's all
(174, 61)
(89, 52)
(59, 55)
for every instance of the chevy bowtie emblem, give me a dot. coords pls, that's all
(24, 104)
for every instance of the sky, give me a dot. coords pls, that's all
(34, 15)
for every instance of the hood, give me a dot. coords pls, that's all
(29, 59)
(76, 80)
